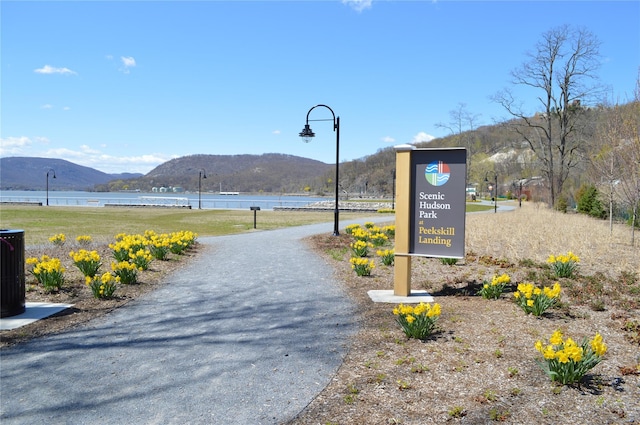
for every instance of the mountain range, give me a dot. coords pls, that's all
(30, 173)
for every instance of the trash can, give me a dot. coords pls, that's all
(12, 282)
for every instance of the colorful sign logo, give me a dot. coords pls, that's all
(437, 173)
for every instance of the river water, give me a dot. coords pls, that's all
(195, 200)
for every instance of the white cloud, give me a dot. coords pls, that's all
(48, 69)
(388, 139)
(358, 5)
(11, 146)
(127, 62)
(46, 106)
(85, 155)
(276, 132)
(422, 137)
(94, 158)
(86, 149)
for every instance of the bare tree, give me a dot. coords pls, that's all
(630, 157)
(461, 126)
(615, 161)
(561, 69)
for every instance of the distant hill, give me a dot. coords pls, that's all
(30, 173)
(270, 173)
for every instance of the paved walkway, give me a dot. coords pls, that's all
(249, 333)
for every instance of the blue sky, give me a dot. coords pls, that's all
(122, 86)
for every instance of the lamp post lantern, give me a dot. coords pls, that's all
(54, 176)
(201, 175)
(495, 198)
(307, 134)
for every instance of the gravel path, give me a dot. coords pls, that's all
(249, 333)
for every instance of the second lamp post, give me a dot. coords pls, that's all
(307, 134)
(54, 176)
(495, 198)
(201, 175)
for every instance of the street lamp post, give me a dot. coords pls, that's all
(307, 134)
(495, 198)
(54, 176)
(201, 175)
(520, 195)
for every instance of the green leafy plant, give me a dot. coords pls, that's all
(417, 321)
(141, 259)
(362, 266)
(125, 272)
(493, 289)
(88, 262)
(565, 361)
(534, 300)
(449, 261)
(181, 241)
(387, 256)
(58, 239)
(389, 230)
(564, 265)
(361, 234)
(378, 239)
(351, 227)
(457, 412)
(102, 287)
(48, 272)
(360, 248)
(83, 240)
(157, 244)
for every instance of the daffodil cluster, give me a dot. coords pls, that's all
(567, 362)
(127, 245)
(387, 256)
(535, 300)
(351, 227)
(48, 272)
(141, 258)
(389, 230)
(493, 289)
(83, 240)
(378, 238)
(360, 248)
(360, 234)
(417, 321)
(58, 239)
(125, 272)
(181, 241)
(87, 261)
(564, 265)
(158, 244)
(102, 287)
(362, 266)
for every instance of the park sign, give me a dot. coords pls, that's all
(438, 202)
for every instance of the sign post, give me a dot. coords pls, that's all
(431, 208)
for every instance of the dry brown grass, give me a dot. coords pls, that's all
(534, 231)
(480, 367)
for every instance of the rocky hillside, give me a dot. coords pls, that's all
(270, 173)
